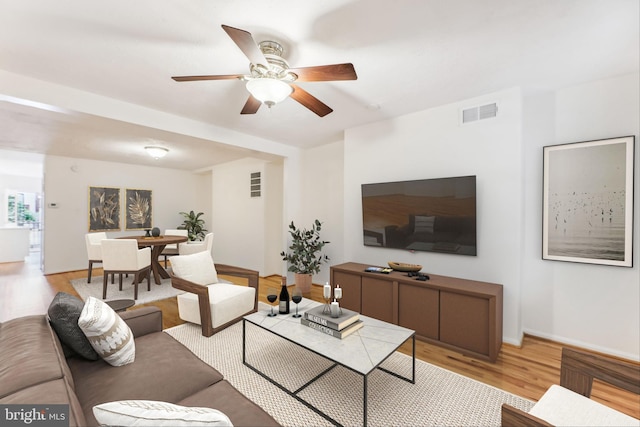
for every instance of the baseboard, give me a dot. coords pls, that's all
(583, 345)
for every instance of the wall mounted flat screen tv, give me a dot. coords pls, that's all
(434, 215)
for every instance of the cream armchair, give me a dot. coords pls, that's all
(568, 404)
(194, 247)
(94, 250)
(120, 256)
(214, 304)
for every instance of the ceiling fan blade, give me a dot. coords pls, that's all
(195, 78)
(251, 106)
(310, 101)
(247, 45)
(323, 73)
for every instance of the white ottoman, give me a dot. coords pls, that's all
(227, 302)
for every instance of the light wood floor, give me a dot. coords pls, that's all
(526, 371)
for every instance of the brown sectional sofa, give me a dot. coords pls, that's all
(34, 370)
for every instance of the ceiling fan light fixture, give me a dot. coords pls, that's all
(269, 91)
(156, 152)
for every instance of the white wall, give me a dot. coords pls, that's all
(591, 306)
(242, 224)
(432, 144)
(323, 199)
(67, 182)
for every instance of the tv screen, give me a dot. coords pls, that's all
(434, 215)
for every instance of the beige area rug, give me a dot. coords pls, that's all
(94, 289)
(439, 397)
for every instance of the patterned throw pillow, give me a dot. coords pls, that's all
(153, 413)
(107, 333)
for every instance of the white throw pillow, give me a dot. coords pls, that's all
(197, 268)
(153, 413)
(107, 333)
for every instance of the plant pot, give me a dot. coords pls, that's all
(303, 282)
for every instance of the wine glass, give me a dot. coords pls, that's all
(296, 297)
(272, 296)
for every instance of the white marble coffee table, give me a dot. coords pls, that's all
(362, 352)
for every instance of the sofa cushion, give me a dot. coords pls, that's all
(197, 268)
(153, 413)
(54, 392)
(108, 334)
(226, 398)
(27, 343)
(227, 302)
(164, 370)
(63, 313)
(563, 407)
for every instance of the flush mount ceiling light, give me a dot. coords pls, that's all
(156, 152)
(269, 91)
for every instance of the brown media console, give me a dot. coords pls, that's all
(464, 315)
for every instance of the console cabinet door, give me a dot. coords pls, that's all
(464, 321)
(377, 299)
(419, 310)
(351, 289)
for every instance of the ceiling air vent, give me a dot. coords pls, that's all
(481, 112)
(255, 184)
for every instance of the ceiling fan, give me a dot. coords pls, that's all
(271, 80)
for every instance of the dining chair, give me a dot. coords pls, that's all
(195, 247)
(172, 249)
(94, 249)
(120, 256)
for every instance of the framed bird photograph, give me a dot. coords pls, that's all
(588, 202)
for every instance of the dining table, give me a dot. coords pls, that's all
(157, 245)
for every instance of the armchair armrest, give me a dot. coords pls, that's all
(514, 417)
(143, 321)
(252, 276)
(578, 369)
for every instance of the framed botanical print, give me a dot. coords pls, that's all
(588, 202)
(139, 209)
(104, 209)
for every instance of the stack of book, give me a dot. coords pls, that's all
(339, 327)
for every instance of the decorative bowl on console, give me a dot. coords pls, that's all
(401, 266)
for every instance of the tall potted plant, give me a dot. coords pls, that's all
(194, 225)
(305, 254)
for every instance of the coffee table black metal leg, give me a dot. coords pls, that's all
(413, 378)
(364, 402)
(244, 341)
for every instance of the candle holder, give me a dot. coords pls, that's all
(326, 293)
(337, 296)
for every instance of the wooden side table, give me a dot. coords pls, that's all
(120, 304)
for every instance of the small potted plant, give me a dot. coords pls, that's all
(305, 256)
(194, 225)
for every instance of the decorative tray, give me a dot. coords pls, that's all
(401, 266)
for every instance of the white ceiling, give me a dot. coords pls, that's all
(409, 55)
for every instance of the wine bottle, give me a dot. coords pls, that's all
(284, 297)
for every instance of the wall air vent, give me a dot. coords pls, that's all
(473, 114)
(255, 184)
